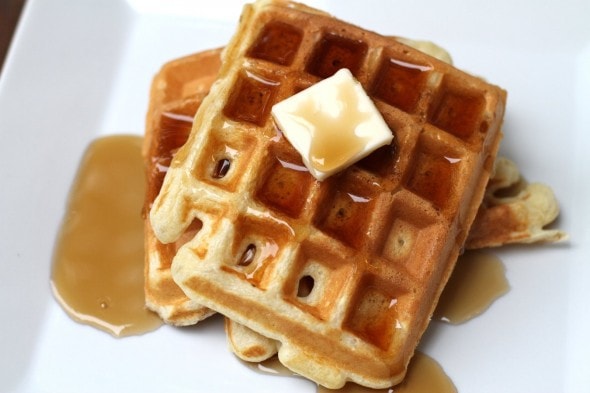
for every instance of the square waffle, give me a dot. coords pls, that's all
(177, 91)
(345, 273)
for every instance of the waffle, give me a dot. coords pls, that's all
(519, 217)
(514, 211)
(176, 93)
(179, 87)
(345, 273)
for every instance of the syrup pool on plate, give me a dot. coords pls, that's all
(479, 278)
(97, 274)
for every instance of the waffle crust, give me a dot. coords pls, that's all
(344, 273)
(176, 92)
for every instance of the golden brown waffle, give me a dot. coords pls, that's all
(344, 273)
(518, 217)
(176, 93)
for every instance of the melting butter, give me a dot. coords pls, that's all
(332, 124)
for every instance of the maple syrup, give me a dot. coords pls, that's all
(333, 53)
(478, 280)
(175, 129)
(349, 210)
(380, 160)
(400, 83)
(373, 316)
(431, 177)
(278, 43)
(251, 99)
(458, 113)
(286, 186)
(97, 273)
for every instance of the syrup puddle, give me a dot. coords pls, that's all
(97, 274)
(478, 280)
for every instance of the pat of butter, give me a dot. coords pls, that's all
(332, 124)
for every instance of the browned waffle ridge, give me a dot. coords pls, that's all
(344, 273)
(176, 92)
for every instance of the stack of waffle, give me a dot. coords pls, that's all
(340, 276)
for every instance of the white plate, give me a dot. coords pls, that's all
(79, 69)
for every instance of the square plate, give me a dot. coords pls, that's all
(77, 70)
